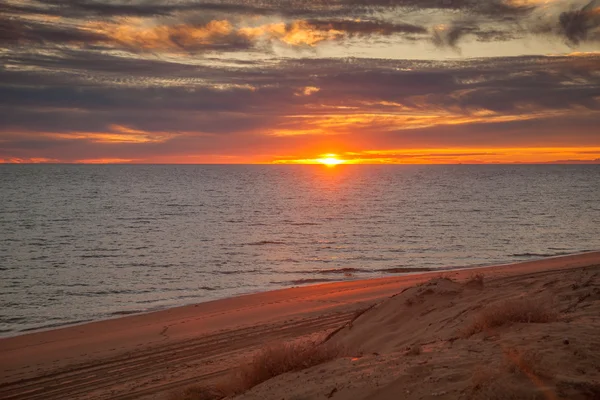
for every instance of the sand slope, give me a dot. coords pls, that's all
(413, 346)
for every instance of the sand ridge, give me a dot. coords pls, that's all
(418, 345)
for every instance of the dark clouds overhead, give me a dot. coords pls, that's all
(582, 24)
(139, 79)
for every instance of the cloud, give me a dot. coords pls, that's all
(367, 27)
(481, 6)
(450, 35)
(223, 35)
(138, 80)
(287, 8)
(16, 32)
(243, 26)
(297, 97)
(139, 34)
(578, 25)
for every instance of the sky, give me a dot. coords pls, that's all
(300, 81)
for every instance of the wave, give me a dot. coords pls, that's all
(95, 293)
(75, 285)
(556, 254)
(139, 219)
(368, 258)
(8, 320)
(265, 243)
(307, 281)
(236, 271)
(345, 270)
(339, 271)
(405, 270)
(129, 312)
(55, 325)
(99, 255)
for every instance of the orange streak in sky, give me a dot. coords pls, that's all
(460, 155)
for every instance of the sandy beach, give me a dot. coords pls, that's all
(147, 356)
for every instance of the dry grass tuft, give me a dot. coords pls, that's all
(489, 384)
(510, 311)
(476, 281)
(268, 363)
(435, 281)
(525, 362)
(198, 393)
(279, 359)
(415, 350)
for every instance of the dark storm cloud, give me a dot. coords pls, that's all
(79, 8)
(306, 8)
(576, 25)
(499, 8)
(14, 31)
(246, 99)
(500, 85)
(367, 28)
(449, 36)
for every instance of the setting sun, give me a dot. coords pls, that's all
(330, 160)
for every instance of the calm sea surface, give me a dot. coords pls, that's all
(80, 243)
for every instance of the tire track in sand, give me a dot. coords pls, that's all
(141, 373)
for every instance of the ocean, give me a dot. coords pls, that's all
(89, 242)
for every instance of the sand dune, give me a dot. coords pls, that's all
(420, 344)
(147, 356)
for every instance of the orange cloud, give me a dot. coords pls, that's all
(119, 134)
(33, 160)
(460, 155)
(105, 161)
(301, 33)
(308, 91)
(404, 119)
(145, 34)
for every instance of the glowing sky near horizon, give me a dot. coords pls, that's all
(296, 81)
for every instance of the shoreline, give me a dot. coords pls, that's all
(425, 272)
(196, 330)
(316, 282)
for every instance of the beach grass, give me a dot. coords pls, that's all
(511, 311)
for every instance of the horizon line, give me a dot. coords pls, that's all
(591, 162)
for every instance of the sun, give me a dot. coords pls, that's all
(330, 160)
